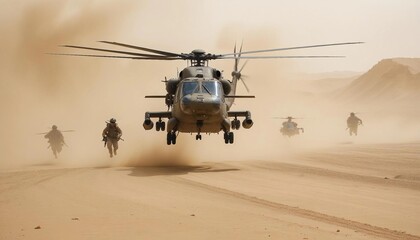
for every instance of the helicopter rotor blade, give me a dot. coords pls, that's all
(286, 118)
(107, 56)
(273, 57)
(164, 53)
(111, 51)
(235, 67)
(60, 131)
(246, 86)
(243, 65)
(242, 76)
(239, 56)
(300, 47)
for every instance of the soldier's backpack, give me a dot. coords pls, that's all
(112, 130)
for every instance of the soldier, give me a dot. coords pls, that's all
(56, 140)
(111, 135)
(353, 123)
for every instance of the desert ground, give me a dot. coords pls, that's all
(350, 191)
(322, 184)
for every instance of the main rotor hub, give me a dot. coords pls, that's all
(198, 52)
(199, 57)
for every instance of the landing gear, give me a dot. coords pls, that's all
(171, 138)
(236, 124)
(199, 124)
(228, 136)
(198, 137)
(160, 125)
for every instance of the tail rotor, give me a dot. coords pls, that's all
(237, 74)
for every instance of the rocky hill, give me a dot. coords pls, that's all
(389, 80)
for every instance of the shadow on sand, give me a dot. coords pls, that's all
(174, 170)
(44, 164)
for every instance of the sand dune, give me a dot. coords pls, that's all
(390, 80)
(345, 192)
(262, 187)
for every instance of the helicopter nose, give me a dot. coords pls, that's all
(200, 104)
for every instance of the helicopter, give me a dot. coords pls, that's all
(290, 128)
(199, 99)
(55, 139)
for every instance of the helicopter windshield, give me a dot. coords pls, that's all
(212, 87)
(189, 88)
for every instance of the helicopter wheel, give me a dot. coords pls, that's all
(233, 124)
(237, 124)
(169, 138)
(160, 126)
(231, 138)
(198, 137)
(226, 137)
(173, 138)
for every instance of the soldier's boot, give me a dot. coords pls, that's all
(110, 153)
(115, 152)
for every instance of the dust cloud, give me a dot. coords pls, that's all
(158, 157)
(39, 90)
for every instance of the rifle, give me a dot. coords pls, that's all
(105, 140)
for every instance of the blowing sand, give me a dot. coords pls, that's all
(322, 184)
(345, 192)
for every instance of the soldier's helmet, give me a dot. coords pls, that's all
(112, 120)
(352, 114)
(54, 127)
(289, 118)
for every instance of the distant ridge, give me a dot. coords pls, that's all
(396, 79)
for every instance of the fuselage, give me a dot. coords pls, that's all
(199, 102)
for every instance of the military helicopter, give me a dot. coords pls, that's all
(199, 100)
(290, 128)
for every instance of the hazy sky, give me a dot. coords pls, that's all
(80, 93)
(390, 28)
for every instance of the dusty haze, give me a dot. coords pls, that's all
(322, 184)
(39, 90)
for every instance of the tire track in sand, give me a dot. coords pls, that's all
(309, 214)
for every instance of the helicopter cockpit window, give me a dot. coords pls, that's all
(189, 88)
(212, 87)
